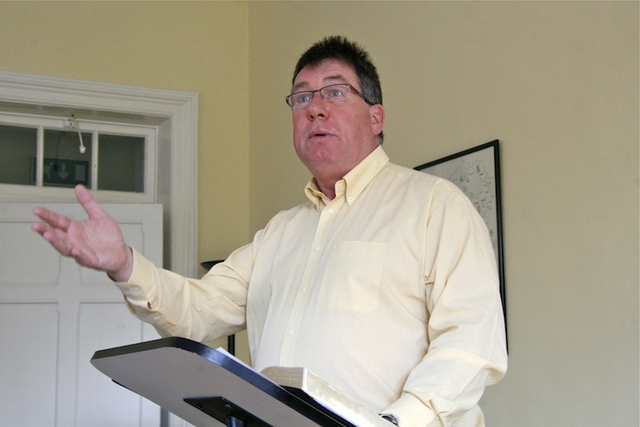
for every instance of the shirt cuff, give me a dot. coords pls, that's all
(411, 411)
(138, 296)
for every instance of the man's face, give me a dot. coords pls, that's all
(331, 139)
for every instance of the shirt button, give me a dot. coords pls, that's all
(317, 248)
(350, 199)
(330, 211)
(291, 332)
(304, 289)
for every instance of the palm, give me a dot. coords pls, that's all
(95, 243)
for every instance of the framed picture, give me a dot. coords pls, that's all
(476, 172)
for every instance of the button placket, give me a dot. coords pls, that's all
(297, 313)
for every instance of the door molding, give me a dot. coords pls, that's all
(176, 115)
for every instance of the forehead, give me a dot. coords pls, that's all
(326, 72)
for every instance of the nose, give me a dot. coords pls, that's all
(317, 107)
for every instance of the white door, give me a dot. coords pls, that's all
(55, 314)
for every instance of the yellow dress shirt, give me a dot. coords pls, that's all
(389, 292)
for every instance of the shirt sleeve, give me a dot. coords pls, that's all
(466, 333)
(202, 310)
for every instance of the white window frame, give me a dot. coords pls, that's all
(176, 116)
(95, 128)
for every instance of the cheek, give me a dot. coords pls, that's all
(298, 139)
(299, 122)
(355, 127)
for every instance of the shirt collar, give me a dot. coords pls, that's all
(353, 183)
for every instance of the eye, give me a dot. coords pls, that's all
(302, 98)
(335, 92)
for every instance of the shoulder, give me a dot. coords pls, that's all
(420, 181)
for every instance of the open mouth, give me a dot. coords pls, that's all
(318, 134)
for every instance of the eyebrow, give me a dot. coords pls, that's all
(328, 80)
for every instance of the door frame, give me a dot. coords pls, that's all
(176, 116)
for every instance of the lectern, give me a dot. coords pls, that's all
(208, 387)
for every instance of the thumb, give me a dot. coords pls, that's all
(88, 203)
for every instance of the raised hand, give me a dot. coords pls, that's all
(95, 243)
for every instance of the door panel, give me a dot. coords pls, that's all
(55, 314)
(27, 376)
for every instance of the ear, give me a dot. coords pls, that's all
(377, 118)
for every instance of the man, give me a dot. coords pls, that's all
(384, 283)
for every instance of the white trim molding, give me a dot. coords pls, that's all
(176, 115)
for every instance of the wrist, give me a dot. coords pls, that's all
(124, 272)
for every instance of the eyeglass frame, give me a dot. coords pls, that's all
(287, 99)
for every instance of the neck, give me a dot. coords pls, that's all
(328, 188)
(327, 175)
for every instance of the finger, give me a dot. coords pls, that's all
(53, 219)
(57, 239)
(39, 227)
(89, 204)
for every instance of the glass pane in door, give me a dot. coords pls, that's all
(65, 163)
(121, 163)
(18, 148)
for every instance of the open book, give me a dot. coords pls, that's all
(313, 389)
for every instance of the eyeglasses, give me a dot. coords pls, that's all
(334, 94)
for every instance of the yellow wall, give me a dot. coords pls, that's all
(556, 82)
(186, 46)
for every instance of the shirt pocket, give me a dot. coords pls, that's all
(352, 278)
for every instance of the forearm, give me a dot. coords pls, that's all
(178, 306)
(445, 389)
(467, 352)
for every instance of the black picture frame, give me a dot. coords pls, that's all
(476, 172)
